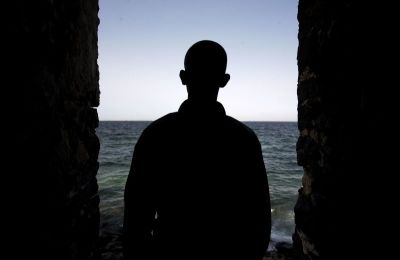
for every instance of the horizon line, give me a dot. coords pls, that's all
(144, 120)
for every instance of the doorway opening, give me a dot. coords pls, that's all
(141, 50)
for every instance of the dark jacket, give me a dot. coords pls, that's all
(197, 189)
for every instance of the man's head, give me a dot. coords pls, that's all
(204, 74)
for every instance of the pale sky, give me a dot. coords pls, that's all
(142, 44)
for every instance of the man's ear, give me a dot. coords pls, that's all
(183, 76)
(224, 80)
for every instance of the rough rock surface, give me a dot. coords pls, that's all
(51, 78)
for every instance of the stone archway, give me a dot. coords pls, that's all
(52, 74)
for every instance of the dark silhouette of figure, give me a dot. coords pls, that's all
(197, 187)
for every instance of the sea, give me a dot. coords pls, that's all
(278, 141)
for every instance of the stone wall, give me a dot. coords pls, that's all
(341, 109)
(51, 90)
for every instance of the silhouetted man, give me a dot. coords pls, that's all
(197, 187)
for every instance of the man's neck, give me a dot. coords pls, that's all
(205, 107)
(202, 100)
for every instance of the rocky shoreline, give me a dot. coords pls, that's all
(283, 251)
(110, 248)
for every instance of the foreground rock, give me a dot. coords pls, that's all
(110, 248)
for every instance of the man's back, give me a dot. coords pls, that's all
(202, 174)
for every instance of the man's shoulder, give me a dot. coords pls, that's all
(241, 128)
(162, 123)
